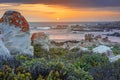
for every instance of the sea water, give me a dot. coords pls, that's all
(64, 34)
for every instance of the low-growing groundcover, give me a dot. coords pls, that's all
(59, 64)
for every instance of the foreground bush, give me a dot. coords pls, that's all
(110, 71)
(39, 52)
(53, 53)
(55, 70)
(87, 62)
(59, 64)
(39, 69)
(20, 73)
(116, 50)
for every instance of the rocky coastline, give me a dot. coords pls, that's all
(36, 57)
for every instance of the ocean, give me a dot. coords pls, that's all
(64, 34)
(48, 24)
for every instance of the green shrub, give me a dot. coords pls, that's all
(39, 52)
(74, 55)
(55, 69)
(19, 73)
(23, 57)
(116, 50)
(86, 62)
(58, 51)
(53, 53)
(57, 64)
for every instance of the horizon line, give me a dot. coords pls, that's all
(76, 21)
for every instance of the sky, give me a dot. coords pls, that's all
(64, 10)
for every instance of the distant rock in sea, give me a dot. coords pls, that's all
(116, 34)
(15, 32)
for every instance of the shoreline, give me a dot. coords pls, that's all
(61, 35)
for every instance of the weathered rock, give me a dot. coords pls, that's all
(64, 44)
(103, 50)
(16, 19)
(15, 31)
(114, 58)
(4, 52)
(105, 39)
(92, 40)
(41, 38)
(98, 37)
(89, 37)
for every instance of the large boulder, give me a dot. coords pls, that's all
(16, 34)
(42, 39)
(102, 49)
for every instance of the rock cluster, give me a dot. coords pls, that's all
(91, 37)
(16, 34)
(66, 44)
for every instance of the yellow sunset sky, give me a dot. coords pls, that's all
(43, 12)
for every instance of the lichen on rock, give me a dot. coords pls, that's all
(16, 34)
(41, 38)
(16, 19)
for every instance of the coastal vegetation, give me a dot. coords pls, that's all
(59, 64)
(93, 58)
